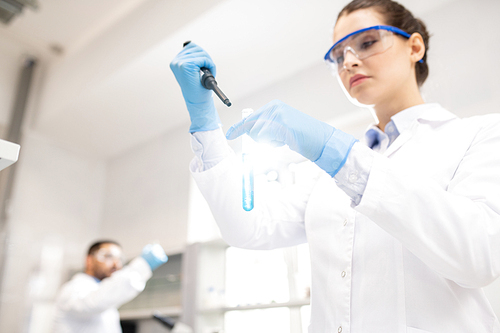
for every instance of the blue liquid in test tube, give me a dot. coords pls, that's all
(247, 179)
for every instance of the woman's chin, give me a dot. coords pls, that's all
(364, 100)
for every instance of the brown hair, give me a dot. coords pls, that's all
(397, 16)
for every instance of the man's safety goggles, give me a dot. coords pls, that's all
(105, 256)
(363, 43)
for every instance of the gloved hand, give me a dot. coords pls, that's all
(278, 124)
(154, 255)
(200, 104)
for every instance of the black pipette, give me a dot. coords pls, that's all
(208, 82)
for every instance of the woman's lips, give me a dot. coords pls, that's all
(357, 79)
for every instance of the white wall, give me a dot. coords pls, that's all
(463, 58)
(56, 210)
(147, 194)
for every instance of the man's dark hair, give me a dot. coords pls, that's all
(97, 245)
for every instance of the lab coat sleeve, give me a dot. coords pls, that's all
(277, 219)
(119, 288)
(353, 176)
(209, 147)
(454, 230)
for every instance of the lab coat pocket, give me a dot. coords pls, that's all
(416, 330)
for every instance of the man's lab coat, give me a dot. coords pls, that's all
(86, 305)
(412, 256)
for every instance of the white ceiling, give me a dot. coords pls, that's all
(107, 86)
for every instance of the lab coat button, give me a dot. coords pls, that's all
(353, 178)
(340, 329)
(343, 274)
(345, 221)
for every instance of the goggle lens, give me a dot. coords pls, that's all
(105, 256)
(362, 45)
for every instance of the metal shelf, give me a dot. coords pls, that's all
(290, 304)
(171, 311)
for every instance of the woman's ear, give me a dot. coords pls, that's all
(417, 46)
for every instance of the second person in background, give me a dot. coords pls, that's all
(88, 302)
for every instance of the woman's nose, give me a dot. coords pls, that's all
(350, 58)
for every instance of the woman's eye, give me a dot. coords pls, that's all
(367, 44)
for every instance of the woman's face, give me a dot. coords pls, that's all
(379, 78)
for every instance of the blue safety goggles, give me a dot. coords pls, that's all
(363, 43)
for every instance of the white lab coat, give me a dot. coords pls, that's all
(85, 305)
(413, 255)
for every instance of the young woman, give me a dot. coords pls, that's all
(403, 228)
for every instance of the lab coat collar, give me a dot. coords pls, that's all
(92, 277)
(429, 112)
(403, 120)
(406, 121)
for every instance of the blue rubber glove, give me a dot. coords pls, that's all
(154, 255)
(200, 104)
(278, 124)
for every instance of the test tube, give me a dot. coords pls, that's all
(247, 179)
